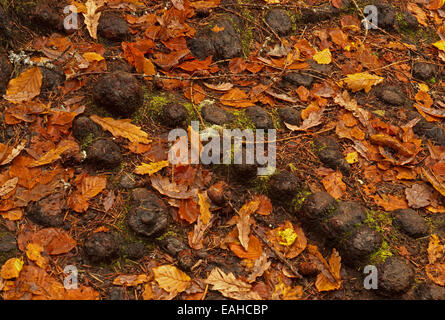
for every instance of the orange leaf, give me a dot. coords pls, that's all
(25, 87)
(236, 98)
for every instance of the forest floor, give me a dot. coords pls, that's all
(92, 208)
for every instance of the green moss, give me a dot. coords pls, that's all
(378, 220)
(261, 184)
(432, 80)
(87, 141)
(298, 200)
(381, 254)
(241, 120)
(169, 233)
(276, 119)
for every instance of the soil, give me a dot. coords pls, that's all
(144, 227)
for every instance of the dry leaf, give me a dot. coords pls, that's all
(8, 186)
(25, 87)
(362, 81)
(231, 287)
(329, 277)
(150, 168)
(11, 269)
(130, 280)
(92, 16)
(171, 278)
(122, 128)
(243, 224)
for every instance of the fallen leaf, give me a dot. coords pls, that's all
(171, 278)
(288, 239)
(11, 269)
(323, 57)
(418, 195)
(329, 277)
(25, 87)
(236, 98)
(231, 287)
(92, 16)
(334, 184)
(122, 128)
(243, 224)
(8, 186)
(131, 280)
(362, 81)
(151, 168)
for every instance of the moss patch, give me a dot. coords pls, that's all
(298, 200)
(378, 220)
(381, 254)
(261, 184)
(241, 120)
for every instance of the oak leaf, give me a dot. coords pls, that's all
(231, 287)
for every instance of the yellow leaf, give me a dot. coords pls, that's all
(13, 214)
(323, 57)
(93, 56)
(171, 278)
(204, 208)
(352, 157)
(11, 268)
(34, 253)
(25, 87)
(288, 236)
(150, 168)
(423, 87)
(440, 45)
(364, 80)
(122, 128)
(435, 249)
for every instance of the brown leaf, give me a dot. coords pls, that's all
(189, 210)
(25, 87)
(54, 240)
(435, 250)
(236, 98)
(313, 120)
(243, 224)
(253, 252)
(54, 154)
(122, 128)
(288, 239)
(171, 189)
(130, 280)
(334, 184)
(260, 266)
(418, 195)
(231, 287)
(329, 277)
